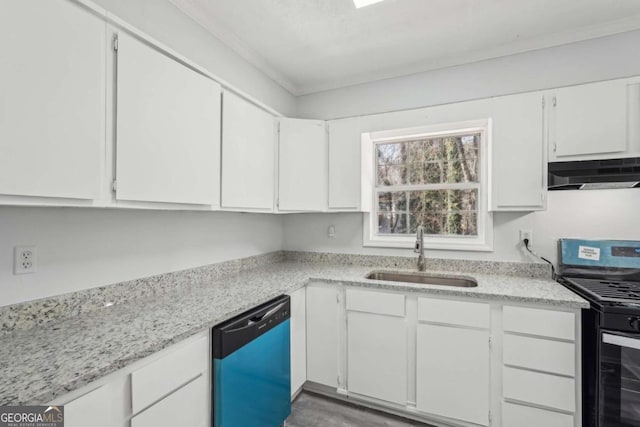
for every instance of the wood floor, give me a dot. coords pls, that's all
(312, 410)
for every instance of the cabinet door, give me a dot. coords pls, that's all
(518, 152)
(168, 129)
(298, 340)
(52, 101)
(377, 356)
(248, 155)
(188, 406)
(322, 335)
(303, 165)
(453, 373)
(106, 406)
(590, 119)
(344, 164)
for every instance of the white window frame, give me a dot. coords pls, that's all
(481, 242)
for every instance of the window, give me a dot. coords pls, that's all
(433, 177)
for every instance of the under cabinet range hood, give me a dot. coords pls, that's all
(595, 174)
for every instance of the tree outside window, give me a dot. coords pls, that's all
(428, 181)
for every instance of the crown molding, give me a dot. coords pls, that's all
(228, 37)
(552, 40)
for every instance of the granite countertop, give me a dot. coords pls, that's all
(43, 362)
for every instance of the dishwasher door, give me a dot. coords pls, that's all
(252, 367)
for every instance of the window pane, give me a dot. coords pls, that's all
(447, 212)
(392, 223)
(391, 175)
(392, 202)
(451, 159)
(392, 153)
(443, 160)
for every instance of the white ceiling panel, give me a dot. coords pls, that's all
(314, 45)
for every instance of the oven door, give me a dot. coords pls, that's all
(619, 400)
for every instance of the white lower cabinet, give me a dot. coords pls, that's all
(105, 406)
(546, 390)
(540, 366)
(167, 389)
(322, 334)
(448, 361)
(187, 406)
(514, 415)
(377, 352)
(452, 376)
(298, 340)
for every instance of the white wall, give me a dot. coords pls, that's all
(590, 214)
(167, 24)
(84, 248)
(592, 60)
(603, 214)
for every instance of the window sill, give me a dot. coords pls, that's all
(409, 243)
(482, 243)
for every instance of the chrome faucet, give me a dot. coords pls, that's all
(419, 249)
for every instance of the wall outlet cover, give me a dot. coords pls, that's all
(24, 260)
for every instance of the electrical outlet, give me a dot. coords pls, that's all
(332, 231)
(24, 260)
(526, 234)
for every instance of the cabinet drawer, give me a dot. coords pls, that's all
(534, 321)
(106, 406)
(525, 416)
(540, 389)
(461, 313)
(375, 302)
(168, 373)
(186, 407)
(540, 354)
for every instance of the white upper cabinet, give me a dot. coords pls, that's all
(168, 129)
(590, 120)
(518, 171)
(344, 164)
(440, 114)
(52, 100)
(248, 155)
(303, 178)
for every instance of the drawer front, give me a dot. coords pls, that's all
(525, 416)
(188, 406)
(162, 376)
(543, 355)
(106, 406)
(461, 313)
(541, 389)
(375, 302)
(534, 321)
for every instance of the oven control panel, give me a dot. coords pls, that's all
(604, 254)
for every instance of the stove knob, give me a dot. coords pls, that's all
(634, 322)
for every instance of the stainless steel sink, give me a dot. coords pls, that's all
(422, 278)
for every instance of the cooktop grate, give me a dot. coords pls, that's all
(607, 290)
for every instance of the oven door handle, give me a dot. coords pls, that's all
(621, 340)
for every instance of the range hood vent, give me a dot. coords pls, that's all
(595, 174)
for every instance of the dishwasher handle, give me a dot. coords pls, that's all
(244, 328)
(274, 310)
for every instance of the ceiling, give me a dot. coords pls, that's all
(314, 45)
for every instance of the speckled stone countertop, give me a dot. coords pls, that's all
(45, 361)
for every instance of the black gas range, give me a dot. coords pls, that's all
(607, 274)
